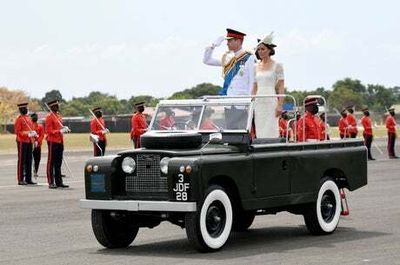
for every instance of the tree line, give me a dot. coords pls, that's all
(343, 93)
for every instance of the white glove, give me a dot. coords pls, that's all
(65, 129)
(94, 138)
(105, 131)
(36, 144)
(218, 41)
(32, 134)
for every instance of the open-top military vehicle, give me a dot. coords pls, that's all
(202, 171)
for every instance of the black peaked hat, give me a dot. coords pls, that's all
(139, 104)
(53, 102)
(22, 105)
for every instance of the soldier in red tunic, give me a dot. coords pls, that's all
(343, 125)
(37, 144)
(55, 143)
(283, 125)
(168, 122)
(367, 134)
(351, 122)
(98, 128)
(25, 134)
(138, 124)
(390, 123)
(324, 127)
(308, 126)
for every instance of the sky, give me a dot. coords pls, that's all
(131, 48)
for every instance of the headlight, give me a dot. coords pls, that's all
(164, 165)
(128, 165)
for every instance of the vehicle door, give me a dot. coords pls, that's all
(271, 172)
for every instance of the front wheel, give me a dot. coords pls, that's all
(322, 217)
(113, 229)
(209, 229)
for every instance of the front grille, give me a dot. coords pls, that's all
(148, 176)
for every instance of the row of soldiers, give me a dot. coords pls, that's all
(30, 135)
(312, 127)
(348, 129)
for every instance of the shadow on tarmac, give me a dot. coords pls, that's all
(250, 243)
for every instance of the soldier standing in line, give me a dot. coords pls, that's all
(98, 127)
(55, 142)
(351, 122)
(138, 124)
(367, 134)
(37, 144)
(390, 123)
(308, 126)
(25, 134)
(343, 125)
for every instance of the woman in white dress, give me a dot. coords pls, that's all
(269, 80)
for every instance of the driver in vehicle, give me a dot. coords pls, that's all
(168, 122)
(208, 123)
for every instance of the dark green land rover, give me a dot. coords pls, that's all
(200, 169)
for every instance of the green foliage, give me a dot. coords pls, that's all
(197, 91)
(52, 95)
(343, 93)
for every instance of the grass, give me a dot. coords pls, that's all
(80, 141)
(73, 141)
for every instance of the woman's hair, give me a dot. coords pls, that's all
(270, 48)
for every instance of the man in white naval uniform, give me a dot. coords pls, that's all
(238, 71)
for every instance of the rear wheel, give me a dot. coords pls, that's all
(113, 229)
(209, 228)
(322, 217)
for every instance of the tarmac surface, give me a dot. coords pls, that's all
(43, 226)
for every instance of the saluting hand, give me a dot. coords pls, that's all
(218, 41)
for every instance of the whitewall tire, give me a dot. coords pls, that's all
(209, 229)
(322, 217)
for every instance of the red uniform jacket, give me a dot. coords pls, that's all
(139, 125)
(40, 131)
(283, 128)
(53, 125)
(351, 123)
(208, 124)
(97, 129)
(308, 128)
(343, 127)
(390, 123)
(22, 126)
(322, 129)
(367, 124)
(167, 122)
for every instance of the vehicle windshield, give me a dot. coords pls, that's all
(206, 116)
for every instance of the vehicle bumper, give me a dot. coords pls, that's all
(137, 206)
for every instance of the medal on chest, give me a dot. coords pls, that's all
(241, 69)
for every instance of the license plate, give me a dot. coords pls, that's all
(97, 183)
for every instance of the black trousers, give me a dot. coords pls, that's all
(353, 135)
(391, 143)
(24, 166)
(37, 155)
(368, 141)
(54, 162)
(97, 151)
